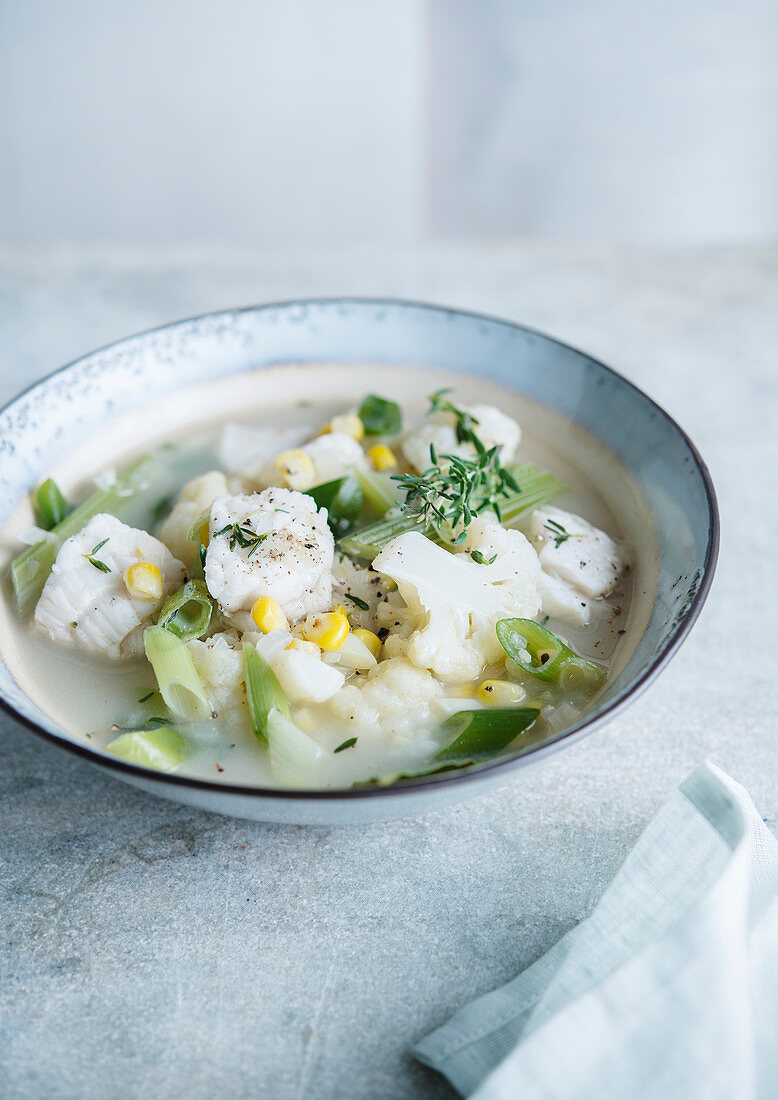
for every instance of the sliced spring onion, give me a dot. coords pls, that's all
(579, 674)
(544, 655)
(537, 488)
(187, 612)
(161, 749)
(178, 679)
(380, 417)
(380, 492)
(343, 500)
(478, 735)
(193, 534)
(295, 758)
(533, 648)
(31, 568)
(50, 504)
(263, 691)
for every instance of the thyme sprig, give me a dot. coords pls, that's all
(90, 557)
(240, 534)
(453, 490)
(464, 422)
(558, 533)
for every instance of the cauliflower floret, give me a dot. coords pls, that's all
(292, 561)
(333, 453)
(454, 603)
(219, 662)
(248, 450)
(196, 497)
(395, 697)
(89, 604)
(494, 428)
(576, 552)
(364, 584)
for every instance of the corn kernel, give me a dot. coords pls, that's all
(144, 581)
(298, 470)
(302, 646)
(329, 631)
(500, 693)
(383, 457)
(268, 614)
(371, 640)
(349, 424)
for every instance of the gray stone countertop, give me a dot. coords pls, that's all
(150, 950)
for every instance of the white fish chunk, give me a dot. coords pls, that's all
(289, 556)
(90, 606)
(572, 549)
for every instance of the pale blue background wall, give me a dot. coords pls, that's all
(331, 121)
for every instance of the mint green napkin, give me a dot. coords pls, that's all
(668, 990)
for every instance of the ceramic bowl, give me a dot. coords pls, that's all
(55, 414)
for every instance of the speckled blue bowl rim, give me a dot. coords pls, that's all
(575, 733)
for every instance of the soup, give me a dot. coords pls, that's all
(399, 574)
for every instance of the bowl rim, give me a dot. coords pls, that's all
(447, 779)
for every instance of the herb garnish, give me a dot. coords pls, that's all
(558, 532)
(242, 535)
(359, 602)
(348, 744)
(464, 422)
(90, 557)
(146, 698)
(452, 490)
(479, 559)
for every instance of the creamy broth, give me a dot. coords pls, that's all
(86, 695)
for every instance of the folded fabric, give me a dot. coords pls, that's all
(669, 989)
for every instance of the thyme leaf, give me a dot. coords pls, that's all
(241, 534)
(348, 744)
(359, 602)
(90, 557)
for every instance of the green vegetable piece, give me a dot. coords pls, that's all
(30, 569)
(547, 652)
(380, 417)
(343, 500)
(347, 744)
(263, 691)
(162, 749)
(379, 490)
(179, 682)
(50, 504)
(187, 611)
(578, 674)
(537, 488)
(295, 758)
(549, 658)
(478, 735)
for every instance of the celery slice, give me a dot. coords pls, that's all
(537, 487)
(380, 492)
(30, 569)
(178, 679)
(187, 611)
(295, 759)
(161, 749)
(263, 691)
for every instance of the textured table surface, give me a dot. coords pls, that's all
(150, 950)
